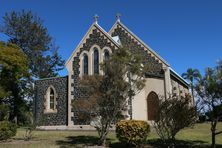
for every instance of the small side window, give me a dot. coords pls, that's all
(50, 100)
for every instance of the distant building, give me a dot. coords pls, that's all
(53, 96)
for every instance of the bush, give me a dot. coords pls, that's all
(132, 132)
(7, 130)
(174, 113)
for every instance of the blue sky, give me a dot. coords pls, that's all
(186, 33)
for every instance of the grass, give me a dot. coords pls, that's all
(197, 136)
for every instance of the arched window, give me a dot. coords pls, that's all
(85, 64)
(106, 55)
(96, 61)
(50, 100)
(152, 104)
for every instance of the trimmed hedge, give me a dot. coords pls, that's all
(132, 132)
(7, 130)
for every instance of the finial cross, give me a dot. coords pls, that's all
(118, 15)
(96, 17)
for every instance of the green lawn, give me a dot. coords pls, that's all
(198, 136)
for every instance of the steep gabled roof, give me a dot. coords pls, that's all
(172, 72)
(138, 40)
(95, 25)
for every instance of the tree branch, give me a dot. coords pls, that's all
(217, 133)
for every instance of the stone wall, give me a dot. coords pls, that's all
(96, 38)
(61, 116)
(156, 69)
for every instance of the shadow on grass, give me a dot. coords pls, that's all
(85, 141)
(78, 141)
(158, 143)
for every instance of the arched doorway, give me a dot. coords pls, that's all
(152, 105)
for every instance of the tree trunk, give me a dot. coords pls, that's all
(213, 140)
(213, 133)
(192, 91)
(15, 93)
(102, 140)
(103, 134)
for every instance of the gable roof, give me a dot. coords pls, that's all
(117, 45)
(138, 40)
(172, 72)
(97, 26)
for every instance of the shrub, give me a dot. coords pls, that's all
(132, 132)
(174, 114)
(7, 130)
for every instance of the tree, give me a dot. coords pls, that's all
(14, 68)
(174, 113)
(191, 75)
(209, 90)
(27, 31)
(108, 93)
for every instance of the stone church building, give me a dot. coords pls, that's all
(53, 96)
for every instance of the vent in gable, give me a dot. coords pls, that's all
(116, 39)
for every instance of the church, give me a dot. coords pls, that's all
(53, 96)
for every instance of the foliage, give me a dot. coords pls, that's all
(4, 112)
(3, 93)
(174, 113)
(13, 60)
(14, 70)
(7, 130)
(191, 75)
(132, 132)
(108, 93)
(27, 31)
(209, 90)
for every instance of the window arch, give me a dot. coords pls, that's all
(106, 54)
(152, 105)
(50, 100)
(96, 61)
(85, 64)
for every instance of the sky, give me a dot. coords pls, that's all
(186, 33)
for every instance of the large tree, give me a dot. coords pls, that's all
(108, 94)
(28, 32)
(191, 75)
(14, 69)
(209, 90)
